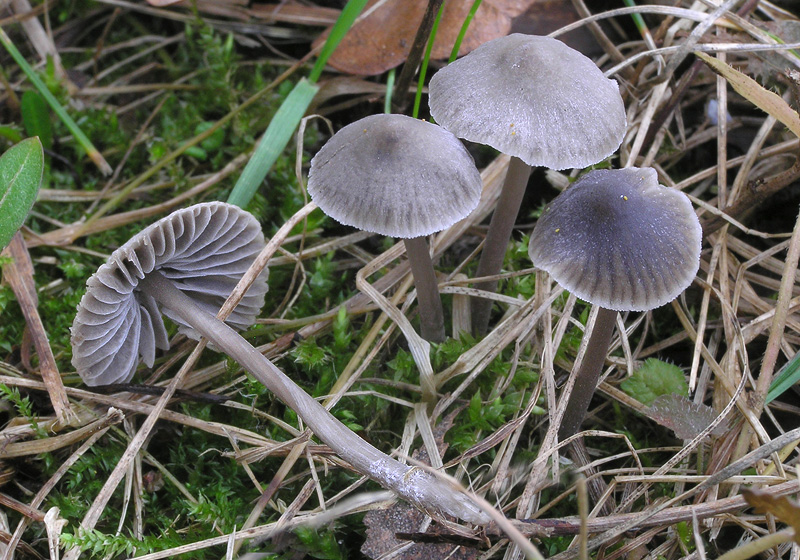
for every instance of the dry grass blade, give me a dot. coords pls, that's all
(19, 274)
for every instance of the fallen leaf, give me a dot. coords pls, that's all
(383, 38)
(684, 417)
(784, 509)
(383, 526)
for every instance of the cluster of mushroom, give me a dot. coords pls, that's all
(614, 238)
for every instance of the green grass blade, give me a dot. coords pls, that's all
(464, 26)
(288, 116)
(637, 18)
(387, 100)
(787, 376)
(272, 144)
(346, 19)
(21, 169)
(73, 127)
(423, 68)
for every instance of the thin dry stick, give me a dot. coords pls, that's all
(779, 319)
(345, 380)
(701, 324)
(101, 500)
(19, 274)
(419, 347)
(70, 233)
(44, 491)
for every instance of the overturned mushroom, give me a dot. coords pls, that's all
(537, 100)
(402, 177)
(188, 263)
(619, 240)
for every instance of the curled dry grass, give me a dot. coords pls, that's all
(732, 330)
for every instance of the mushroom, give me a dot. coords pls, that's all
(188, 263)
(621, 241)
(537, 100)
(401, 177)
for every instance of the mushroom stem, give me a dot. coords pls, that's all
(415, 485)
(588, 373)
(431, 316)
(497, 238)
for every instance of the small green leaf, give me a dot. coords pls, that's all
(36, 118)
(653, 379)
(21, 170)
(786, 377)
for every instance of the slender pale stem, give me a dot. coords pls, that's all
(497, 238)
(589, 372)
(415, 485)
(431, 315)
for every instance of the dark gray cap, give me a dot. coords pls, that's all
(205, 249)
(531, 97)
(395, 175)
(618, 239)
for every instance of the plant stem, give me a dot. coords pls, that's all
(81, 138)
(417, 486)
(589, 372)
(497, 238)
(756, 547)
(431, 315)
(415, 54)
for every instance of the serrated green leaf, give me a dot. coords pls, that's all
(21, 170)
(653, 379)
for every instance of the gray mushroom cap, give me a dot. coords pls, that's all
(618, 239)
(205, 249)
(395, 175)
(531, 97)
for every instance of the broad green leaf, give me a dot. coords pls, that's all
(653, 379)
(36, 118)
(21, 170)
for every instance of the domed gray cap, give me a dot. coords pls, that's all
(531, 97)
(205, 249)
(395, 175)
(618, 239)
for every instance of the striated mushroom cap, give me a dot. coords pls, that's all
(531, 97)
(205, 249)
(395, 175)
(618, 239)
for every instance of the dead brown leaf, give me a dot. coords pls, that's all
(784, 509)
(383, 38)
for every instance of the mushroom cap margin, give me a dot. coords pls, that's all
(204, 249)
(396, 176)
(531, 97)
(618, 239)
